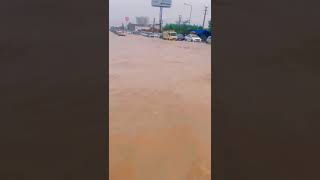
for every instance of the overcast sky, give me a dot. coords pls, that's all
(119, 9)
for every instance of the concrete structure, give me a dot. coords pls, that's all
(142, 20)
(139, 27)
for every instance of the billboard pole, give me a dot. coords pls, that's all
(162, 4)
(160, 19)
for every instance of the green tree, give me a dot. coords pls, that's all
(210, 25)
(182, 28)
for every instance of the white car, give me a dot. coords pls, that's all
(120, 33)
(154, 35)
(144, 34)
(209, 40)
(192, 38)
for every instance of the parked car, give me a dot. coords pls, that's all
(202, 33)
(120, 33)
(208, 40)
(154, 35)
(144, 33)
(170, 35)
(158, 35)
(180, 37)
(192, 38)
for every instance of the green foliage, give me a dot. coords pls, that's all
(210, 26)
(182, 28)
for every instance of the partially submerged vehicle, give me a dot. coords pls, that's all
(143, 33)
(192, 38)
(208, 40)
(180, 37)
(169, 35)
(154, 35)
(120, 33)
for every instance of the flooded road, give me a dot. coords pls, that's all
(159, 109)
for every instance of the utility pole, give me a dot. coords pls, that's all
(154, 19)
(204, 18)
(190, 12)
(180, 19)
(180, 23)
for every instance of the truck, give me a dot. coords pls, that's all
(169, 35)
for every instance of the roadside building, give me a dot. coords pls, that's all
(131, 27)
(144, 21)
(138, 27)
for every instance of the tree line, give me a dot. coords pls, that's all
(185, 28)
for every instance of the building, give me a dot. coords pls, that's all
(144, 21)
(131, 27)
(138, 27)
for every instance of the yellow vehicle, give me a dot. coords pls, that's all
(170, 35)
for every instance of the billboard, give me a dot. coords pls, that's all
(161, 3)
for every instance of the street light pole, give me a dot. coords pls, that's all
(190, 12)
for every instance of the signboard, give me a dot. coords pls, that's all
(161, 3)
(127, 19)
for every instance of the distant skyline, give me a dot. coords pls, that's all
(119, 9)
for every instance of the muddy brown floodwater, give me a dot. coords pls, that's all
(159, 109)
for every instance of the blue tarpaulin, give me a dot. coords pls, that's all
(203, 34)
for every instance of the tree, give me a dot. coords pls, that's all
(182, 28)
(210, 25)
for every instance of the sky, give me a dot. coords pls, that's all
(119, 9)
